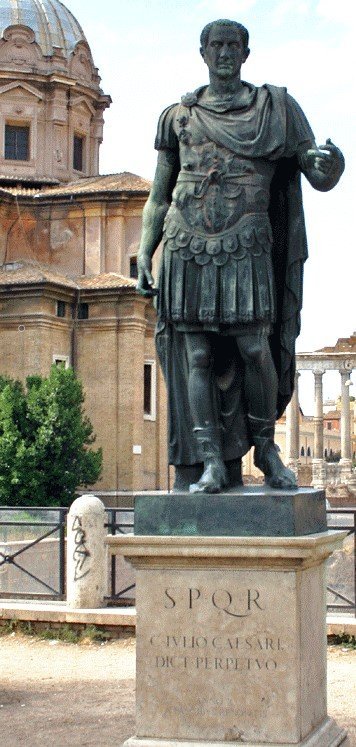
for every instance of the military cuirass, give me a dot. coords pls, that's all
(215, 187)
(217, 235)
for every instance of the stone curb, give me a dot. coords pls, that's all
(60, 613)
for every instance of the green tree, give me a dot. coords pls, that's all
(44, 440)
(12, 444)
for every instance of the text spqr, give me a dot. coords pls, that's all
(239, 603)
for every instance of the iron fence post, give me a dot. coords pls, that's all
(62, 553)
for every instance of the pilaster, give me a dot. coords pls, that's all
(131, 345)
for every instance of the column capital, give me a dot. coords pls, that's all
(345, 374)
(318, 374)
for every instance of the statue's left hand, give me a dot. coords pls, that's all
(324, 165)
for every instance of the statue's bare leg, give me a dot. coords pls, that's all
(261, 386)
(207, 430)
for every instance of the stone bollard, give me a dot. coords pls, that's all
(86, 553)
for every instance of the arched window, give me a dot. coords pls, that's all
(308, 452)
(302, 453)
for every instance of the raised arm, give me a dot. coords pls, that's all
(153, 217)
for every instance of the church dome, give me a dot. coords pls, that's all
(53, 25)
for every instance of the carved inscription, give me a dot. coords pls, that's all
(216, 651)
(81, 553)
(241, 604)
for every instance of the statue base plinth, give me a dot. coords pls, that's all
(247, 511)
(231, 639)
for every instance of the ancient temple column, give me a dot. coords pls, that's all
(292, 429)
(345, 461)
(318, 415)
(318, 460)
(345, 417)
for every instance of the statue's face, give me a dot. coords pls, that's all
(225, 51)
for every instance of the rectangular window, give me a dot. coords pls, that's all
(17, 143)
(133, 268)
(78, 153)
(80, 311)
(61, 309)
(83, 311)
(149, 390)
(61, 360)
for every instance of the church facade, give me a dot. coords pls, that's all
(69, 240)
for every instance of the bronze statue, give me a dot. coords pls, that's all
(226, 200)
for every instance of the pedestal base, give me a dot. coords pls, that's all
(328, 734)
(231, 640)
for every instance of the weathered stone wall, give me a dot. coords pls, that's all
(85, 238)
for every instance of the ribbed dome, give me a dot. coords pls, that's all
(52, 23)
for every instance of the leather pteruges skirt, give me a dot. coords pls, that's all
(209, 282)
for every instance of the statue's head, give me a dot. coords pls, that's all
(242, 30)
(224, 39)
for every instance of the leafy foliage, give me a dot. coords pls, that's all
(44, 440)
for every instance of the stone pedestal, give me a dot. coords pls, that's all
(231, 639)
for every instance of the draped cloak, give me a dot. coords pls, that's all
(265, 123)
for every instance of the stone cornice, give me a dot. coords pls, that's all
(46, 321)
(128, 201)
(57, 291)
(38, 289)
(35, 321)
(132, 323)
(215, 552)
(56, 78)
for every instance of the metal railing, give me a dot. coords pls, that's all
(22, 529)
(344, 519)
(16, 524)
(120, 521)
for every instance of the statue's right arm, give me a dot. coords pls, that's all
(153, 216)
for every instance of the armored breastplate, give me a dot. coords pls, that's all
(215, 187)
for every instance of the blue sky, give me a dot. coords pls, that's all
(147, 52)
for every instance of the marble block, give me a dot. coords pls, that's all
(231, 640)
